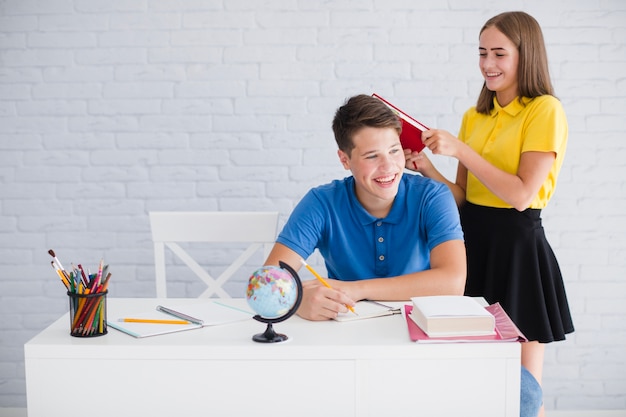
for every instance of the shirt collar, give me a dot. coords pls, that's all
(395, 214)
(513, 108)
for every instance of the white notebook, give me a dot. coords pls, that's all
(368, 309)
(201, 314)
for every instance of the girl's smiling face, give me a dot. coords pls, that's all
(498, 63)
(377, 163)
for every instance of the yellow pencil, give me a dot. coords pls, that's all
(154, 321)
(322, 280)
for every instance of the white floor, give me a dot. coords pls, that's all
(13, 412)
(21, 412)
(587, 413)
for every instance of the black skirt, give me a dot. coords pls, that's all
(510, 261)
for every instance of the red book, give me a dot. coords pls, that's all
(411, 136)
(506, 330)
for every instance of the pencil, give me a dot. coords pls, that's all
(322, 280)
(154, 321)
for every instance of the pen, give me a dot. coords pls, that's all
(83, 276)
(99, 275)
(179, 315)
(155, 321)
(322, 280)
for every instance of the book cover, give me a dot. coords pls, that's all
(505, 329)
(411, 135)
(450, 315)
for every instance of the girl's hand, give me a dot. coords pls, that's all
(441, 142)
(419, 162)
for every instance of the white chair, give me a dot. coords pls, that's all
(170, 228)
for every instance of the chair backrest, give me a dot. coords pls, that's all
(170, 228)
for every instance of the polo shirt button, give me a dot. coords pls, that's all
(381, 240)
(381, 258)
(379, 224)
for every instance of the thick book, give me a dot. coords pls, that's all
(368, 309)
(411, 135)
(196, 315)
(505, 330)
(452, 315)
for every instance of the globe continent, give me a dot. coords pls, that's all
(272, 292)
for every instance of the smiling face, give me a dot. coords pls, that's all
(498, 62)
(377, 163)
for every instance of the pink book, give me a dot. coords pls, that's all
(506, 330)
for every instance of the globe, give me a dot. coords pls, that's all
(274, 293)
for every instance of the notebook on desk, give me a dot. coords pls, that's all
(367, 309)
(188, 317)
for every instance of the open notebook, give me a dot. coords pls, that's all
(201, 314)
(368, 309)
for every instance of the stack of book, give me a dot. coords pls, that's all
(445, 316)
(438, 319)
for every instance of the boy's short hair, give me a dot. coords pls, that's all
(358, 112)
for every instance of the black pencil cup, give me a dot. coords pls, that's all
(88, 314)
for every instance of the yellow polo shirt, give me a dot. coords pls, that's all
(501, 137)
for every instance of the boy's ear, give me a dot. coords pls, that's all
(344, 159)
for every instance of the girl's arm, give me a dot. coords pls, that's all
(517, 190)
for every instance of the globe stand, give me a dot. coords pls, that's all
(270, 336)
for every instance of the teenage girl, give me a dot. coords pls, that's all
(510, 149)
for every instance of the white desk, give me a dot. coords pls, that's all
(361, 368)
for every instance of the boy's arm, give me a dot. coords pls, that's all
(446, 276)
(281, 252)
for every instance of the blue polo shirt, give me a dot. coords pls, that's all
(355, 245)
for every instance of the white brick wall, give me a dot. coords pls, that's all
(112, 108)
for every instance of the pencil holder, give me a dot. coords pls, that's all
(88, 314)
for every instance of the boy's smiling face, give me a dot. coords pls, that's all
(377, 163)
